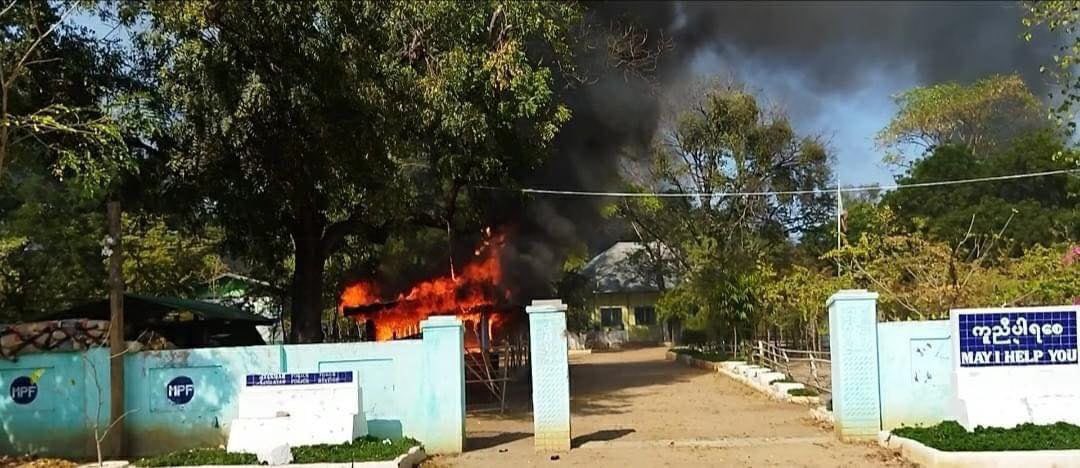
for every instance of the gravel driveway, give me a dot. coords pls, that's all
(632, 408)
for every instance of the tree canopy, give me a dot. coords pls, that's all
(1029, 211)
(979, 116)
(304, 125)
(724, 141)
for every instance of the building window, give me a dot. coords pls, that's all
(611, 317)
(645, 315)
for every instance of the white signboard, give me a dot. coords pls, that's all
(297, 410)
(1015, 365)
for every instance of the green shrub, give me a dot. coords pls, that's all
(950, 436)
(360, 450)
(711, 356)
(807, 391)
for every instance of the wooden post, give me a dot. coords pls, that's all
(117, 346)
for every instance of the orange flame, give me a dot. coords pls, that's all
(465, 294)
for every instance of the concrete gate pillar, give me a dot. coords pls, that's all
(853, 343)
(550, 375)
(443, 391)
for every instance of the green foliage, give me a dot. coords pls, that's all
(1037, 210)
(1060, 17)
(361, 450)
(576, 292)
(980, 116)
(721, 248)
(303, 129)
(711, 356)
(922, 278)
(52, 245)
(57, 96)
(950, 436)
(197, 457)
(803, 392)
(794, 301)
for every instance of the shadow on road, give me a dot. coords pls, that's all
(481, 443)
(600, 436)
(601, 387)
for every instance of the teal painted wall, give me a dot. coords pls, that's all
(407, 390)
(59, 419)
(915, 368)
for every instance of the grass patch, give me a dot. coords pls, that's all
(711, 356)
(806, 391)
(786, 379)
(360, 450)
(950, 436)
(202, 456)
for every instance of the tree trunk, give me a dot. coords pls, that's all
(117, 344)
(307, 288)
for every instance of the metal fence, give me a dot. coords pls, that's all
(810, 368)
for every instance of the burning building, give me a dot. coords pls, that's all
(475, 294)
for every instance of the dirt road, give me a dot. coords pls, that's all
(633, 408)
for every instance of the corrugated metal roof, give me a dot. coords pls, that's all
(161, 307)
(614, 270)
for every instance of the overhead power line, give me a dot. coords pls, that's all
(859, 188)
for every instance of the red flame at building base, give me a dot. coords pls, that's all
(472, 295)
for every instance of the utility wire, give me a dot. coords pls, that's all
(838, 189)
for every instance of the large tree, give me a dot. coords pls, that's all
(982, 116)
(61, 155)
(718, 154)
(304, 125)
(1029, 211)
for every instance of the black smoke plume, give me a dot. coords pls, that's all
(831, 47)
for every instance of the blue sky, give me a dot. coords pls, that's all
(848, 120)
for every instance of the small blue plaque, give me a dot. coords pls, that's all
(1017, 338)
(310, 378)
(23, 390)
(180, 390)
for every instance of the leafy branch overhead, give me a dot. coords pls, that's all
(1060, 18)
(46, 112)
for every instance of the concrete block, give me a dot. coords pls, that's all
(253, 435)
(781, 388)
(750, 371)
(767, 378)
(276, 455)
(271, 401)
(732, 365)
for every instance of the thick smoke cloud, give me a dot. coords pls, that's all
(808, 52)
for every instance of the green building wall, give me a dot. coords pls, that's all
(626, 302)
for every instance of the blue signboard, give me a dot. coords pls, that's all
(1017, 338)
(256, 380)
(180, 390)
(23, 390)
